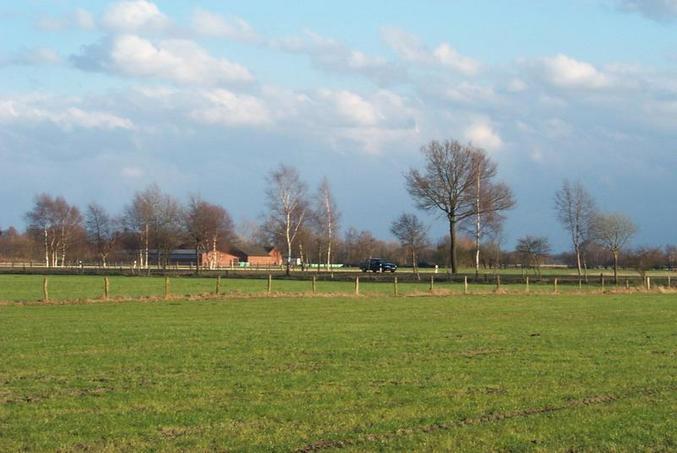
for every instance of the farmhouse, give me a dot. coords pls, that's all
(243, 257)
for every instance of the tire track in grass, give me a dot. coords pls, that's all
(491, 417)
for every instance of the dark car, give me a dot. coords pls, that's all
(378, 265)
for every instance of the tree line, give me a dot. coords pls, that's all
(457, 182)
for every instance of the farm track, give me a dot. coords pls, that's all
(490, 417)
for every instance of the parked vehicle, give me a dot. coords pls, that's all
(378, 265)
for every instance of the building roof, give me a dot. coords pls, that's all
(252, 250)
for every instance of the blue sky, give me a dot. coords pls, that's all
(100, 98)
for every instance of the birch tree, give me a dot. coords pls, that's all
(327, 218)
(448, 183)
(55, 222)
(575, 210)
(286, 200)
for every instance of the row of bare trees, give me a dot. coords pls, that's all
(457, 182)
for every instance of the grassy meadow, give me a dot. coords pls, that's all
(540, 372)
(24, 288)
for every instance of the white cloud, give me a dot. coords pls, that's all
(517, 85)
(230, 109)
(465, 92)
(334, 56)
(481, 133)
(209, 24)
(182, 61)
(412, 49)
(566, 72)
(66, 117)
(448, 56)
(83, 19)
(135, 15)
(352, 108)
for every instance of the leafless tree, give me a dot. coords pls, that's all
(286, 199)
(327, 218)
(101, 231)
(206, 225)
(412, 234)
(533, 251)
(157, 219)
(449, 182)
(612, 231)
(55, 222)
(575, 210)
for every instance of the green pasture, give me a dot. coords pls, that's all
(476, 373)
(79, 287)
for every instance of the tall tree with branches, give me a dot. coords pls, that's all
(412, 234)
(101, 230)
(448, 183)
(575, 210)
(326, 218)
(206, 225)
(287, 203)
(612, 231)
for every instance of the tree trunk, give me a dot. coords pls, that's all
(478, 227)
(46, 249)
(577, 249)
(145, 238)
(452, 245)
(615, 254)
(197, 257)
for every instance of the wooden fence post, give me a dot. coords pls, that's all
(580, 283)
(396, 292)
(166, 294)
(357, 285)
(669, 284)
(270, 283)
(314, 283)
(527, 283)
(498, 282)
(45, 290)
(648, 283)
(465, 285)
(432, 284)
(627, 284)
(218, 285)
(106, 288)
(555, 286)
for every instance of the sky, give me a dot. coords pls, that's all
(99, 99)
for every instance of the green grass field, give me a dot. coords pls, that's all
(479, 373)
(23, 288)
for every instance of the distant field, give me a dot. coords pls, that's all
(81, 287)
(479, 373)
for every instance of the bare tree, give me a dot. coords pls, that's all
(326, 217)
(533, 251)
(139, 216)
(612, 231)
(412, 234)
(101, 231)
(157, 219)
(206, 224)
(55, 222)
(575, 210)
(287, 206)
(449, 184)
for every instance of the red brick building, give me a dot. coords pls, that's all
(243, 257)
